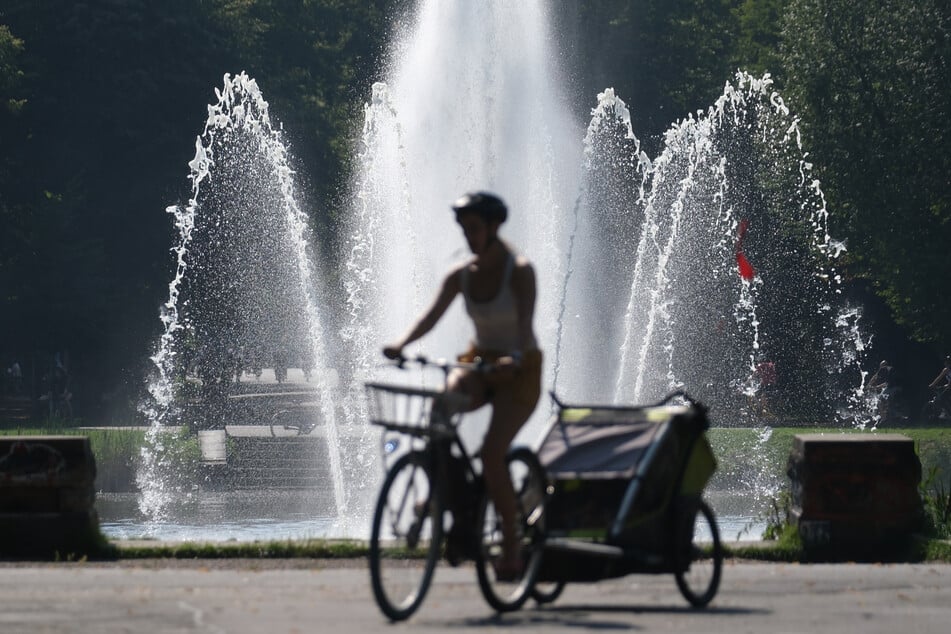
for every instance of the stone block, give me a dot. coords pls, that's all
(854, 494)
(47, 496)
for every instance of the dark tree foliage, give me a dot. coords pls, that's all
(101, 101)
(756, 47)
(664, 58)
(872, 82)
(101, 104)
(11, 139)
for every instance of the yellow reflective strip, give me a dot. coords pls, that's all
(574, 415)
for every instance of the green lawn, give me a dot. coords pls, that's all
(741, 452)
(739, 449)
(117, 451)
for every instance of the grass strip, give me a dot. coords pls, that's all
(278, 549)
(785, 550)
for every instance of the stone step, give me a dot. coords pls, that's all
(270, 460)
(241, 481)
(278, 450)
(280, 471)
(267, 462)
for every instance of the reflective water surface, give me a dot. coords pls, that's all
(246, 516)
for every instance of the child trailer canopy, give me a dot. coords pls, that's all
(625, 481)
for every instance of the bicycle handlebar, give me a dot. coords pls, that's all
(445, 365)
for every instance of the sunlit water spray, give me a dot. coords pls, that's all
(472, 101)
(638, 283)
(734, 181)
(244, 288)
(639, 291)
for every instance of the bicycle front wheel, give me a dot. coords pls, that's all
(699, 579)
(530, 483)
(405, 538)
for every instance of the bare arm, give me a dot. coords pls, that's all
(430, 317)
(523, 283)
(941, 376)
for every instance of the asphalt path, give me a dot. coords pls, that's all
(297, 596)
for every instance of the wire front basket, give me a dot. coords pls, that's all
(402, 409)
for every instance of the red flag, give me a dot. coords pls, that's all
(744, 266)
(746, 269)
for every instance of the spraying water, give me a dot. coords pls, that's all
(636, 259)
(244, 288)
(601, 254)
(639, 289)
(473, 101)
(732, 187)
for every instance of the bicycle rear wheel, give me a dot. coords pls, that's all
(530, 483)
(699, 579)
(406, 537)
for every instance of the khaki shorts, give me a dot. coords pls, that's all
(526, 385)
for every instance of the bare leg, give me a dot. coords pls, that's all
(508, 417)
(470, 383)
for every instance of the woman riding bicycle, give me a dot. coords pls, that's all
(942, 387)
(498, 287)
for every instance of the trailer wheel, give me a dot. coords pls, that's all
(547, 592)
(699, 578)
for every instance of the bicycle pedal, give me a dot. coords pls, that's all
(534, 516)
(453, 555)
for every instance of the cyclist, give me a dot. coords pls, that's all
(879, 386)
(942, 386)
(498, 287)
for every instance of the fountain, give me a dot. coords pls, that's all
(687, 270)
(640, 283)
(472, 102)
(244, 295)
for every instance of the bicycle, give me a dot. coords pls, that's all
(435, 480)
(291, 420)
(938, 407)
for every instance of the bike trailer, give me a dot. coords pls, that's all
(626, 481)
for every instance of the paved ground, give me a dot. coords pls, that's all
(299, 596)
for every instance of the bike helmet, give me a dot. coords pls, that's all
(487, 205)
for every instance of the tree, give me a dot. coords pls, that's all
(759, 30)
(665, 58)
(871, 80)
(11, 104)
(117, 92)
(13, 240)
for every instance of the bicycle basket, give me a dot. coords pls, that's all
(400, 408)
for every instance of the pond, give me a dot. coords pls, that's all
(246, 516)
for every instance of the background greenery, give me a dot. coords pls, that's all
(100, 102)
(745, 453)
(117, 451)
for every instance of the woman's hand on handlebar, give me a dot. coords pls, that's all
(506, 366)
(394, 352)
(503, 367)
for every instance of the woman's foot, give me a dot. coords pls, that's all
(509, 569)
(510, 566)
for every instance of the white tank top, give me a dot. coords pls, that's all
(496, 320)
